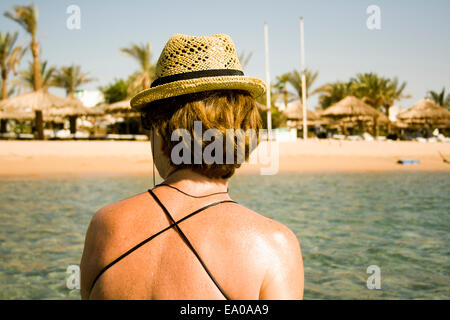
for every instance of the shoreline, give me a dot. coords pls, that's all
(56, 159)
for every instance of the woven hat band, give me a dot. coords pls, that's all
(196, 75)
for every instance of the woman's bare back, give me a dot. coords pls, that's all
(250, 256)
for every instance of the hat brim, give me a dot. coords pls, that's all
(254, 86)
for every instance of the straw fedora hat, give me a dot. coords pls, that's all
(191, 64)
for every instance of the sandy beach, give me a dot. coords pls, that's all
(74, 158)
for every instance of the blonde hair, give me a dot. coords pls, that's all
(221, 110)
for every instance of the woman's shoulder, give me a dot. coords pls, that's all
(121, 213)
(131, 213)
(258, 228)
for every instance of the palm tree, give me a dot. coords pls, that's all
(9, 91)
(70, 78)
(277, 117)
(281, 88)
(378, 91)
(141, 79)
(10, 56)
(335, 92)
(370, 88)
(27, 17)
(295, 80)
(27, 76)
(393, 92)
(116, 91)
(274, 95)
(440, 98)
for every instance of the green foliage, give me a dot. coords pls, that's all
(26, 16)
(116, 91)
(142, 78)
(379, 92)
(10, 56)
(294, 79)
(10, 91)
(440, 98)
(27, 76)
(70, 78)
(334, 92)
(278, 118)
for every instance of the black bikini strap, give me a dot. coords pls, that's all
(183, 236)
(154, 236)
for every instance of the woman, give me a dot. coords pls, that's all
(186, 238)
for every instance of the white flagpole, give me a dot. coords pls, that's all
(268, 103)
(302, 45)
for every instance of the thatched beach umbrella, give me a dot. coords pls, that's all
(425, 112)
(122, 109)
(22, 116)
(72, 112)
(351, 108)
(322, 120)
(96, 111)
(39, 102)
(12, 115)
(293, 112)
(120, 106)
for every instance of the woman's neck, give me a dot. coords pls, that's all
(195, 183)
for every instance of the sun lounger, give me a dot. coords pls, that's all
(120, 137)
(442, 138)
(140, 137)
(48, 133)
(8, 135)
(112, 136)
(354, 138)
(63, 134)
(367, 136)
(81, 135)
(26, 136)
(126, 137)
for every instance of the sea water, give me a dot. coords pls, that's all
(345, 222)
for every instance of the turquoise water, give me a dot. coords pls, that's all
(345, 223)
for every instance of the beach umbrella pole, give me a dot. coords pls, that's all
(3, 123)
(268, 100)
(302, 45)
(39, 133)
(73, 124)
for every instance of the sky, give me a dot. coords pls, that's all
(412, 43)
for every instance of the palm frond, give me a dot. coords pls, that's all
(26, 16)
(70, 78)
(244, 59)
(27, 76)
(143, 78)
